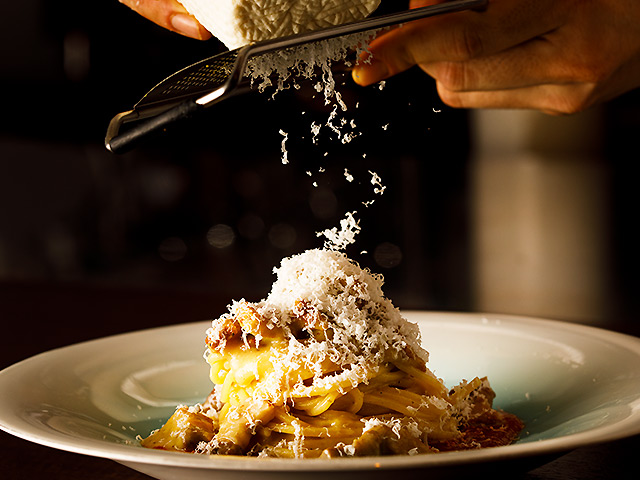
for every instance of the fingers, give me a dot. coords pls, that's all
(456, 37)
(525, 76)
(169, 14)
(532, 63)
(547, 98)
(565, 82)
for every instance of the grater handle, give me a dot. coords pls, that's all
(117, 142)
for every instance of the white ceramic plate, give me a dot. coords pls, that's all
(572, 385)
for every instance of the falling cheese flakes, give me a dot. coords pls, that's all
(285, 153)
(376, 181)
(340, 239)
(304, 62)
(348, 176)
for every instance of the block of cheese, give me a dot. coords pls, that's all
(240, 22)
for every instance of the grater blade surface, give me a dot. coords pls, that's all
(199, 78)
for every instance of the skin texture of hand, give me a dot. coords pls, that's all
(170, 15)
(559, 57)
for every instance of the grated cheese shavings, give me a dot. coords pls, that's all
(304, 61)
(340, 239)
(285, 153)
(376, 181)
(348, 176)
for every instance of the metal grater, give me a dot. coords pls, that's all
(209, 81)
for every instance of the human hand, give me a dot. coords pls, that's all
(171, 15)
(553, 56)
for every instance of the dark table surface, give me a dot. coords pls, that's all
(75, 313)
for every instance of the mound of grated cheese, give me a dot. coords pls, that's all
(367, 330)
(240, 22)
(351, 297)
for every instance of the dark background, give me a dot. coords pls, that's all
(71, 212)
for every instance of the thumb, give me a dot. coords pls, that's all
(388, 55)
(392, 54)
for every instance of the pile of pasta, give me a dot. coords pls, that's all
(326, 366)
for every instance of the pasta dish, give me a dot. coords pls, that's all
(326, 366)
